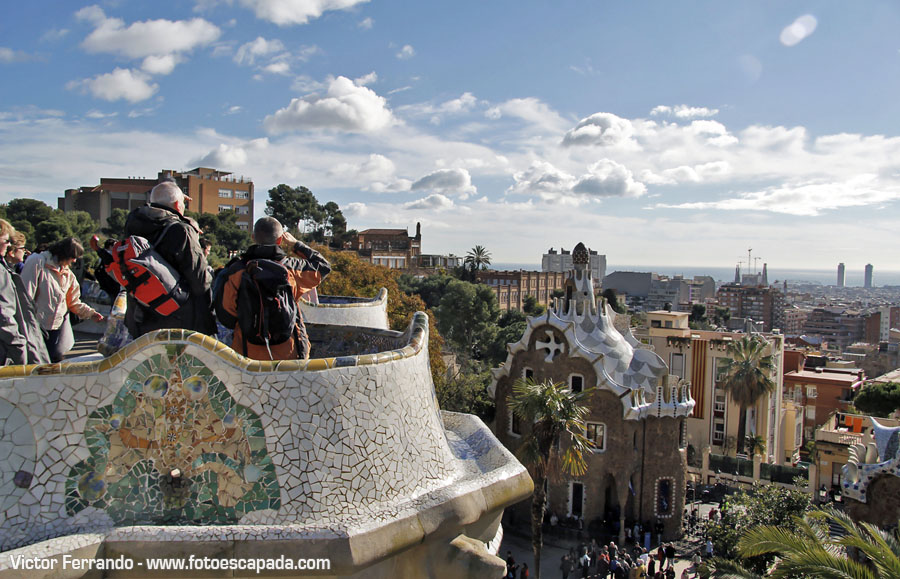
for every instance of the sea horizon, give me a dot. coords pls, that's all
(852, 278)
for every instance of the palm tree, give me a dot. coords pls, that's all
(755, 444)
(553, 410)
(747, 377)
(478, 258)
(863, 551)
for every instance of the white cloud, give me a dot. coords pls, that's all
(8, 55)
(406, 52)
(366, 79)
(250, 51)
(346, 107)
(279, 67)
(366, 23)
(460, 105)
(120, 84)
(54, 34)
(531, 110)
(447, 181)
(687, 174)
(95, 114)
(434, 202)
(287, 12)
(607, 178)
(799, 29)
(807, 198)
(231, 156)
(147, 38)
(160, 64)
(377, 173)
(234, 109)
(354, 209)
(601, 129)
(544, 180)
(684, 111)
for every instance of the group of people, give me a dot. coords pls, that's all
(37, 298)
(610, 561)
(36, 303)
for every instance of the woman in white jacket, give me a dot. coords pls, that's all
(52, 285)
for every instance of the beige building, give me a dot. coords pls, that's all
(833, 441)
(696, 356)
(211, 191)
(511, 287)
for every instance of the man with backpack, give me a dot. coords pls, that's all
(161, 226)
(260, 291)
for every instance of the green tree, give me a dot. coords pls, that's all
(878, 398)
(467, 316)
(478, 258)
(294, 205)
(510, 328)
(721, 315)
(115, 224)
(532, 307)
(863, 551)
(755, 444)
(553, 411)
(223, 233)
(747, 377)
(466, 391)
(767, 504)
(430, 289)
(613, 299)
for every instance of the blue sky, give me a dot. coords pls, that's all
(655, 132)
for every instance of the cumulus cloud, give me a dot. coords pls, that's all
(366, 23)
(806, 198)
(607, 178)
(683, 111)
(288, 12)
(377, 173)
(233, 156)
(278, 67)
(147, 38)
(799, 29)
(461, 105)
(120, 84)
(544, 180)
(250, 51)
(447, 181)
(434, 202)
(687, 174)
(366, 79)
(406, 52)
(161, 65)
(346, 107)
(354, 209)
(531, 110)
(601, 129)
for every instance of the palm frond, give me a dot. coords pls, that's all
(725, 569)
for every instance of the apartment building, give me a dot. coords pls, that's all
(561, 262)
(759, 303)
(837, 326)
(211, 191)
(818, 389)
(696, 356)
(512, 287)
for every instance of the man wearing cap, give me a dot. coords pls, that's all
(180, 247)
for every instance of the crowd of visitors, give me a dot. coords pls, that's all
(162, 266)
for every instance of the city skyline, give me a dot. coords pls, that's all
(653, 133)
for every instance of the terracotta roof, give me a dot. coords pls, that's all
(384, 232)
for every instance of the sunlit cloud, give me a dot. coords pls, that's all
(799, 29)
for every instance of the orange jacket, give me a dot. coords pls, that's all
(304, 274)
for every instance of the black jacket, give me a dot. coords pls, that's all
(181, 248)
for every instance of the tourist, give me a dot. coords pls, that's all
(301, 273)
(12, 337)
(670, 553)
(565, 565)
(15, 252)
(56, 293)
(179, 246)
(107, 282)
(510, 566)
(523, 573)
(709, 548)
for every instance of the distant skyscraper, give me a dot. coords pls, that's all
(840, 280)
(868, 279)
(765, 275)
(737, 273)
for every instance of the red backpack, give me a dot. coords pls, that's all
(146, 276)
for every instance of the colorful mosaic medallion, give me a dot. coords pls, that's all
(174, 448)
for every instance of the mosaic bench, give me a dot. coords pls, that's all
(176, 444)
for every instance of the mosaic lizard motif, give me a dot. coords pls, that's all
(173, 416)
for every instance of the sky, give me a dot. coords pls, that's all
(677, 133)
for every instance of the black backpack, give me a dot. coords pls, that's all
(266, 311)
